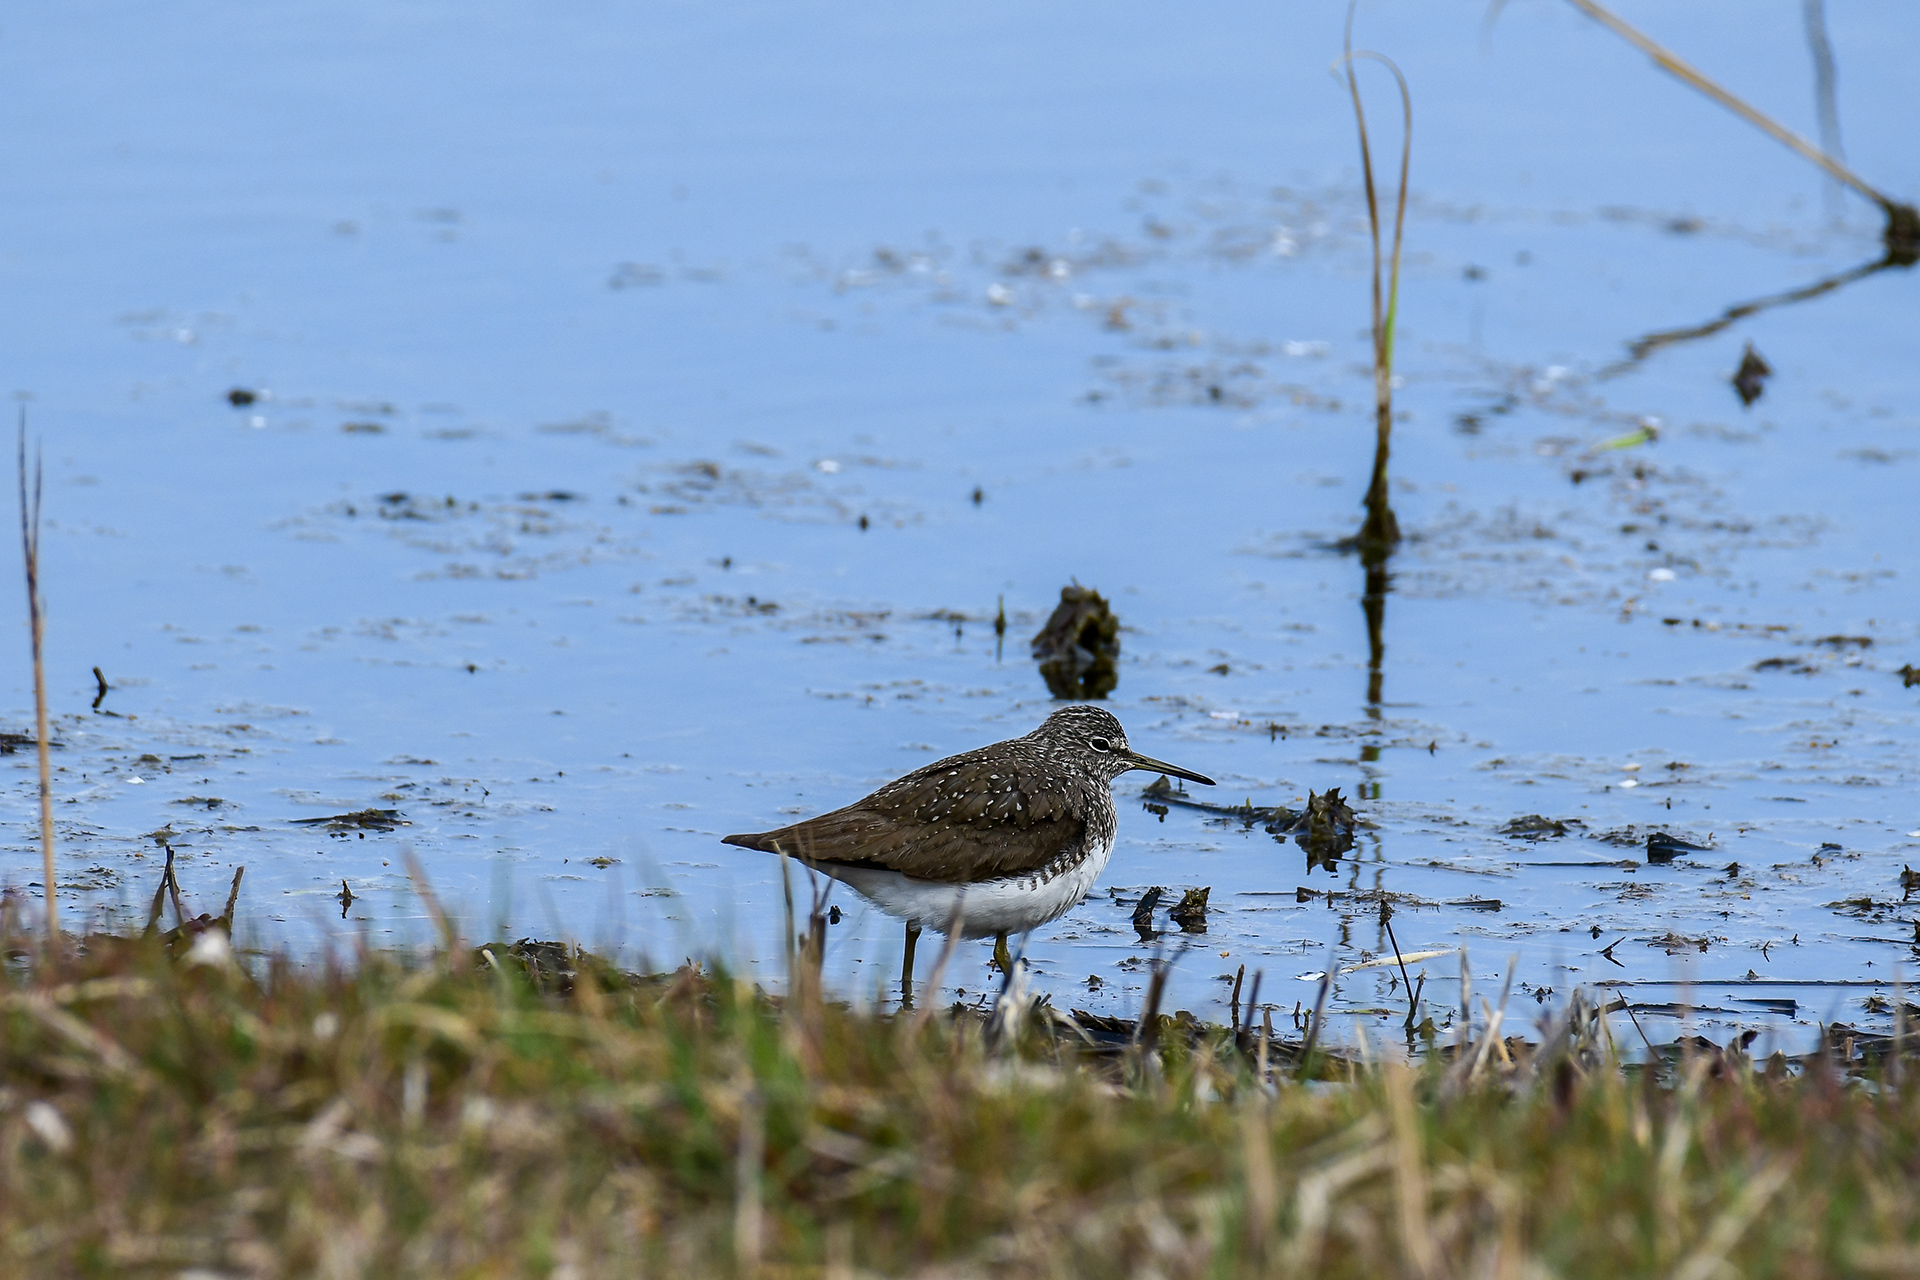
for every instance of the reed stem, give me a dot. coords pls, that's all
(36, 624)
(1381, 531)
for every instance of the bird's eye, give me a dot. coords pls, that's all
(1098, 744)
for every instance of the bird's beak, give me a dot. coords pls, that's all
(1137, 761)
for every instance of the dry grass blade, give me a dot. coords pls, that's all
(955, 922)
(747, 1207)
(1263, 1184)
(1710, 1258)
(72, 1029)
(1409, 1175)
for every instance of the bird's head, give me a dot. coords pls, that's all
(1094, 738)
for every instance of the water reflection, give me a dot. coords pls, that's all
(1324, 830)
(1079, 648)
(1903, 254)
(1373, 602)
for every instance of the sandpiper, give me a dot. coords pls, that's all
(1005, 838)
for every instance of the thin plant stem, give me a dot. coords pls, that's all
(36, 623)
(1381, 532)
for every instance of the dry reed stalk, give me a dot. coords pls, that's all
(1903, 221)
(233, 898)
(30, 551)
(786, 888)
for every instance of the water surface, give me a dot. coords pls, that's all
(625, 381)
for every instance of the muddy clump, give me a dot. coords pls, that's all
(1079, 648)
(1324, 829)
(1191, 912)
(1535, 827)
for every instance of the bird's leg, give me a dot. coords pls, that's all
(906, 969)
(1001, 959)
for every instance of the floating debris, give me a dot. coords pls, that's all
(361, 820)
(1079, 647)
(1909, 676)
(1191, 913)
(1535, 827)
(241, 397)
(1646, 433)
(1750, 379)
(1380, 897)
(1663, 848)
(1161, 792)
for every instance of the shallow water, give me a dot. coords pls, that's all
(585, 341)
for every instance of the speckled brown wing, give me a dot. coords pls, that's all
(968, 818)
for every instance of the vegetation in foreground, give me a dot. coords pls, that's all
(479, 1114)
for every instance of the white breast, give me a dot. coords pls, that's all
(1011, 905)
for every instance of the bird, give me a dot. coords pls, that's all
(1003, 838)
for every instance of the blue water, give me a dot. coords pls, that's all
(584, 338)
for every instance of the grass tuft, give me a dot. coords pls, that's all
(531, 1111)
